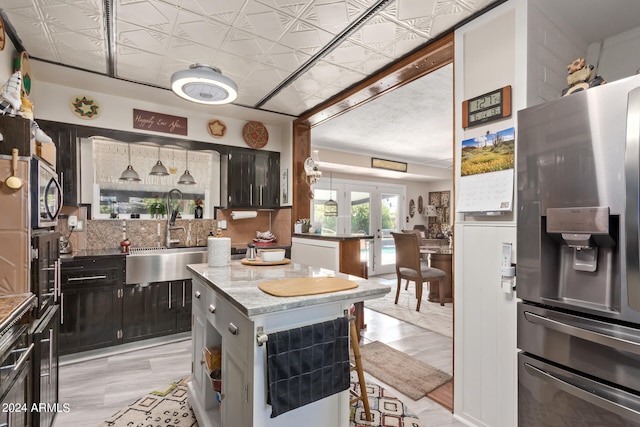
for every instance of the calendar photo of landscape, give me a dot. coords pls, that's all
(491, 152)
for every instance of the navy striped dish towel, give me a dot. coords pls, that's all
(307, 364)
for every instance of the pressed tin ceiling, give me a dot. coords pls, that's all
(286, 56)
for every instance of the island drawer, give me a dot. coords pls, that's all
(235, 329)
(199, 293)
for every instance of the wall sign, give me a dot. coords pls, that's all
(158, 122)
(491, 106)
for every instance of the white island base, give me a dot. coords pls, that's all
(229, 311)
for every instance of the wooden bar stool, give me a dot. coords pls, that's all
(357, 366)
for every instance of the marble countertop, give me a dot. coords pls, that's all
(238, 284)
(333, 236)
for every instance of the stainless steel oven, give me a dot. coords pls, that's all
(46, 195)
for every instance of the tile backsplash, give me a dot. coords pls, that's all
(107, 233)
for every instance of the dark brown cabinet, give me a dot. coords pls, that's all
(92, 291)
(99, 310)
(156, 309)
(64, 136)
(252, 179)
(45, 366)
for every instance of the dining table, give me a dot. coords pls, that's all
(440, 257)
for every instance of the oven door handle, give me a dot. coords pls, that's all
(78, 279)
(579, 332)
(610, 404)
(23, 357)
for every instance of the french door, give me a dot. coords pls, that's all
(363, 208)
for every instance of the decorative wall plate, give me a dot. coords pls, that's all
(420, 205)
(217, 128)
(255, 134)
(3, 34)
(85, 107)
(22, 63)
(412, 208)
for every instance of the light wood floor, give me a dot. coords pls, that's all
(100, 386)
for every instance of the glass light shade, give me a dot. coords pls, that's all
(186, 178)
(129, 174)
(204, 84)
(159, 169)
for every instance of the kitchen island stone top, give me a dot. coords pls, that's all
(238, 284)
(343, 236)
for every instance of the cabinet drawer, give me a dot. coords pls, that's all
(235, 329)
(100, 272)
(199, 294)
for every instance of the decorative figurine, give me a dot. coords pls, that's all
(198, 213)
(581, 77)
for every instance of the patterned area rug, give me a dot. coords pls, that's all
(386, 410)
(166, 408)
(170, 408)
(432, 316)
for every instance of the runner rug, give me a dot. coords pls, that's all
(170, 408)
(406, 374)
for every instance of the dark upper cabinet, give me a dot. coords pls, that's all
(64, 136)
(251, 179)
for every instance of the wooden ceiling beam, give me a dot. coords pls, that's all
(423, 61)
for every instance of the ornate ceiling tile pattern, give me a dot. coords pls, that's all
(263, 45)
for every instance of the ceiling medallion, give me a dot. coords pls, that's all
(85, 107)
(255, 134)
(217, 128)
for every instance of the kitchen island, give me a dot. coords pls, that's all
(339, 252)
(231, 313)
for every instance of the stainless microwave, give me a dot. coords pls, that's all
(46, 195)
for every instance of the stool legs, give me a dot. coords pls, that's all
(355, 346)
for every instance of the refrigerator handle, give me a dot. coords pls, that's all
(566, 327)
(610, 405)
(632, 177)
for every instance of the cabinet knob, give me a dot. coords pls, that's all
(197, 294)
(233, 329)
(212, 308)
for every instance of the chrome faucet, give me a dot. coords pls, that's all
(171, 217)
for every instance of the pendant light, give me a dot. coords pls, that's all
(186, 177)
(129, 174)
(158, 169)
(331, 206)
(204, 84)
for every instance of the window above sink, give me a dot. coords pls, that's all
(146, 198)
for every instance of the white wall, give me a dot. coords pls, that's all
(490, 53)
(620, 55)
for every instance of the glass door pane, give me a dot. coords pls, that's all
(328, 224)
(361, 221)
(389, 221)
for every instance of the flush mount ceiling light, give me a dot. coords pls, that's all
(159, 169)
(204, 84)
(129, 174)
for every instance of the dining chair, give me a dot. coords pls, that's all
(409, 267)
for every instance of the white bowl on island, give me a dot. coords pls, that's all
(272, 255)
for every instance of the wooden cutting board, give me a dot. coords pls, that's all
(259, 261)
(306, 286)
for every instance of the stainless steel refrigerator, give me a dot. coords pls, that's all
(578, 259)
